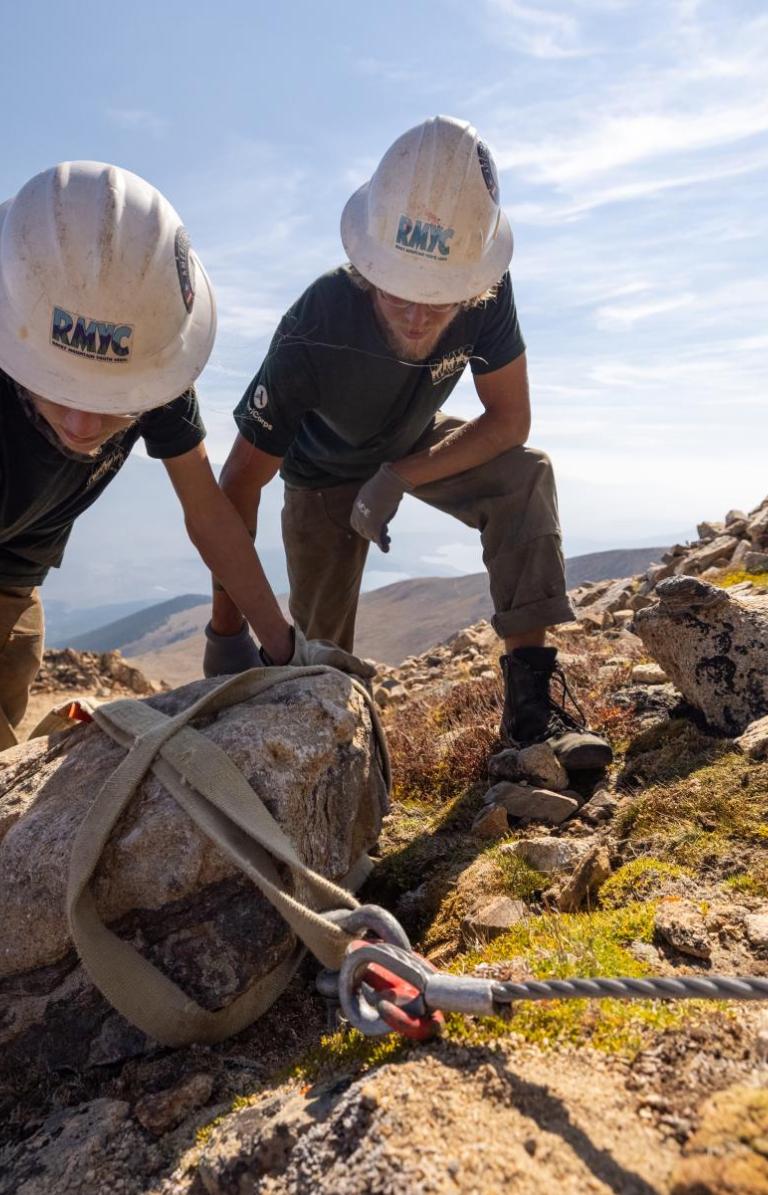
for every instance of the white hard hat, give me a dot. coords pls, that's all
(427, 226)
(103, 305)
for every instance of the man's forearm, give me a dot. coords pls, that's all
(226, 548)
(226, 615)
(476, 442)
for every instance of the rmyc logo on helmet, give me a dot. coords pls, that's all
(423, 239)
(100, 340)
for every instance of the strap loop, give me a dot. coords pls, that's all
(217, 797)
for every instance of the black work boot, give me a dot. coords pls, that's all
(531, 715)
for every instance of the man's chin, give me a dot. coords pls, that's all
(415, 352)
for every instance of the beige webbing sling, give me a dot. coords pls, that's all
(218, 798)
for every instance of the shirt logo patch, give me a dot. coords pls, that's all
(256, 404)
(111, 463)
(100, 340)
(423, 238)
(451, 363)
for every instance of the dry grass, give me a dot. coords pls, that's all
(440, 748)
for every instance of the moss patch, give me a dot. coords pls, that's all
(705, 820)
(640, 880)
(585, 945)
(579, 944)
(490, 874)
(349, 1052)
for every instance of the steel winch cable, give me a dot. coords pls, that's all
(383, 986)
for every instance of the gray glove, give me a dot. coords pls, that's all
(376, 505)
(226, 654)
(322, 651)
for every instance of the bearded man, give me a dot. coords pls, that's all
(347, 405)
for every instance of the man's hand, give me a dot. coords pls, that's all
(322, 651)
(376, 504)
(227, 654)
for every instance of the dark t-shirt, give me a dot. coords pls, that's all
(333, 399)
(43, 490)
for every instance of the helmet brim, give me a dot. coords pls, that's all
(95, 386)
(420, 279)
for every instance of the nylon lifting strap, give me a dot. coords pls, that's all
(220, 801)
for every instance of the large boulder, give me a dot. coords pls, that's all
(306, 748)
(713, 646)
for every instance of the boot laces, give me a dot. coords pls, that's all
(558, 707)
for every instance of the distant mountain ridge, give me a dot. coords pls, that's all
(604, 566)
(135, 626)
(166, 640)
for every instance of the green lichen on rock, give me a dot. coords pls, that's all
(640, 880)
(737, 576)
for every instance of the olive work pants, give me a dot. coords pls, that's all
(21, 651)
(511, 500)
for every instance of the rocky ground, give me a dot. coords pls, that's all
(658, 867)
(67, 675)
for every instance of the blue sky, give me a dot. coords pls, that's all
(632, 145)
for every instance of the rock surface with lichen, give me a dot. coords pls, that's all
(713, 646)
(307, 750)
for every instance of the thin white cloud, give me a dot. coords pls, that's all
(623, 140)
(537, 30)
(627, 315)
(138, 120)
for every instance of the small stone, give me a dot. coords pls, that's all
(649, 674)
(761, 1038)
(725, 1156)
(682, 926)
(546, 855)
(600, 807)
(535, 804)
(708, 531)
(644, 952)
(756, 562)
(720, 549)
(491, 822)
(390, 695)
(756, 926)
(494, 918)
(164, 1110)
(539, 764)
(504, 765)
(754, 741)
(592, 871)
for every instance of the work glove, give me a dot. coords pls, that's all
(226, 654)
(376, 505)
(322, 651)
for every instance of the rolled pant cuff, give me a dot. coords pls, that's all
(548, 613)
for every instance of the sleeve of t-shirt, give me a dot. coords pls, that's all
(175, 428)
(500, 340)
(270, 412)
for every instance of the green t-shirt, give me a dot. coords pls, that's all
(44, 488)
(333, 400)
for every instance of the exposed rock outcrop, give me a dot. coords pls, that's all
(306, 748)
(713, 646)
